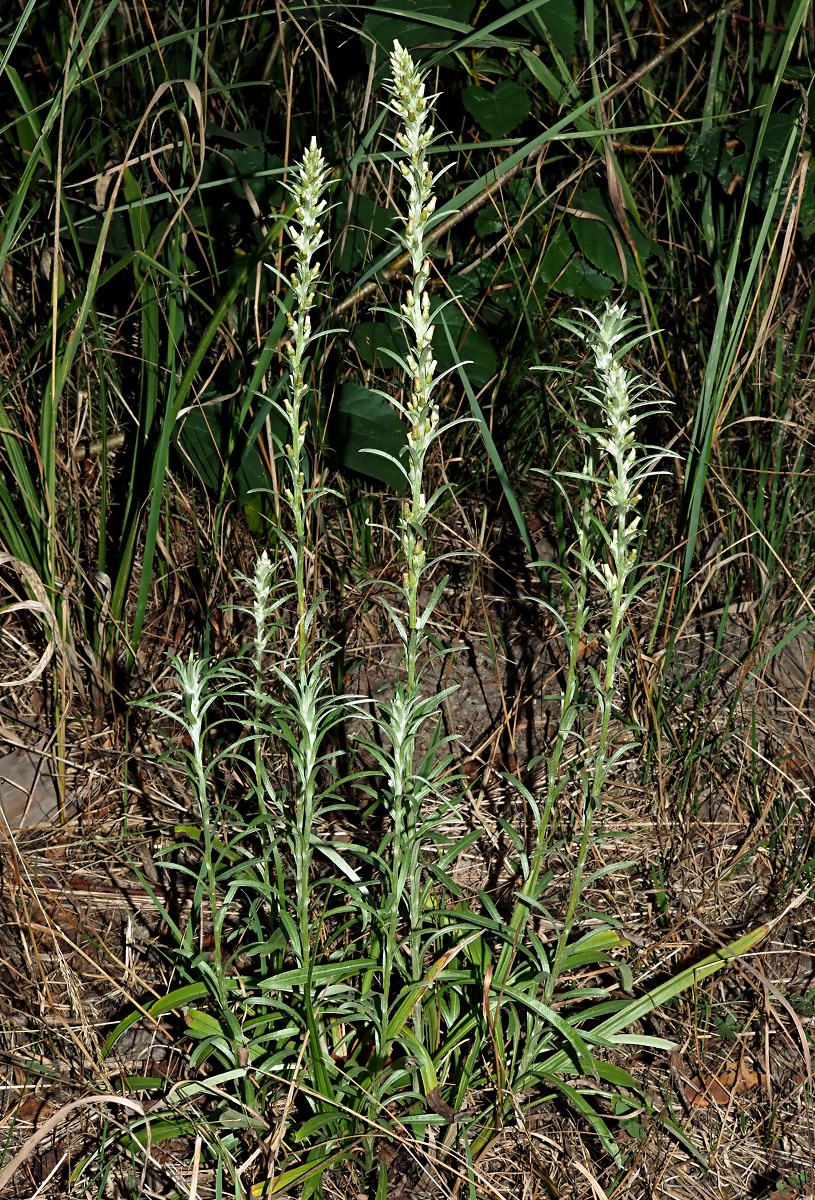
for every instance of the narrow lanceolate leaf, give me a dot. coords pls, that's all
(417, 991)
(733, 318)
(641, 1005)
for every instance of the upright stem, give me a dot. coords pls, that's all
(409, 103)
(306, 235)
(616, 394)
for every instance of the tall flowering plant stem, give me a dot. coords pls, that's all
(612, 555)
(409, 103)
(608, 538)
(619, 393)
(306, 235)
(408, 711)
(302, 713)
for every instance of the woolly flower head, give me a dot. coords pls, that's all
(306, 191)
(407, 87)
(613, 325)
(261, 589)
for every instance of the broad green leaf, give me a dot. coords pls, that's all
(377, 341)
(709, 154)
(203, 440)
(363, 420)
(581, 280)
(559, 21)
(489, 223)
(472, 346)
(601, 239)
(202, 1024)
(773, 155)
(252, 166)
(598, 245)
(559, 249)
(418, 25)
(497, 110)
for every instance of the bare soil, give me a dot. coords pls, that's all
(712, 813)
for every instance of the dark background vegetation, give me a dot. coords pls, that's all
(658, 154)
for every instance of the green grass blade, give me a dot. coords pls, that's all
(730, 328)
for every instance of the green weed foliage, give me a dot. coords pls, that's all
(198, 210)
(362, 979)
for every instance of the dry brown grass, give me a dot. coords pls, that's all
(711, 849)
